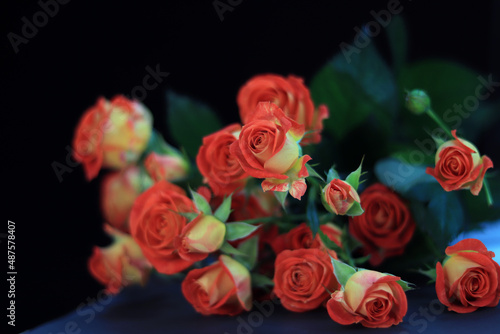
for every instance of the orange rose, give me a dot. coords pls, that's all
(111, 134)
(118, 193)
(120, 264)
(302, 278)
(371, 298)
(339, 196)
(459, 166)
(155, 225)
(290, 94)
(221, 288)
(385, 227)
(166, 167)
(267, 149)
(219, 167)
(302, 237)
(468, 278)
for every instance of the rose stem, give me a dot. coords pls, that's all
(438, 121)
(489, 198)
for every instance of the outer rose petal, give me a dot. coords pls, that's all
(467, 245)
(339, 311)
(241, 278)
(478, 184)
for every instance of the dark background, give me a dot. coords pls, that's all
(92, 48)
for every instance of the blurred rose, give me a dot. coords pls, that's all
(166, 167)
(371, 298)
(290, 94)
(155, 225)
(469, 278)
(459, 166)
(111, 134)
(221, 288)
(219, 167)
(339, 196)
(386, 226)
(120, 264)
(302, 279)
(118, 193)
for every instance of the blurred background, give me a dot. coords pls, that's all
(87, 49)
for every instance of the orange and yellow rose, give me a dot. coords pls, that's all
(166, 167)
(339, 196)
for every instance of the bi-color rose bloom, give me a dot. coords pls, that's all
(459, 166)
(118, 193)
(202, 236)
(302, 278)
(386, 226)
(469, 278)
(267, 149)
(223, 287)
(111, 134)
(371, 298)
(302, 237)
(120, 264)
(291, 95)
(339, 196)
(166, 167)
(219, 167)
(155, 224)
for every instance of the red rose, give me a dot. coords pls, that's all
(468, 278)
(120, 264)
(111, 134)
(290, 94)
(219, 167)
(459, 166)
(118, 193)
(221, 288)
(385, 227)
(155, 225)
(302, 279)
(371, 298)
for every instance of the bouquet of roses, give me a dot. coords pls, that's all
(268, 208)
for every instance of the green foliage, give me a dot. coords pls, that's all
(342, 271)
(250, 250)
(235, 231)
(200, 202)
(353, 178)
(224, 210)
(261, 281)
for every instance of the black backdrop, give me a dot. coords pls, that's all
(93, 48)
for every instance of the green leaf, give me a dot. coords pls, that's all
(342, 271)
(261, 281)
(355, 210)
(398, 41)
(312, 172)
(312, 212)
(235, 231)
(226, 248)
(332, 174)
(361, 260)
(406, 285)
(250, 249)
(329, 243)
(353, 89)
(281, 197)
(189, 215)
(224, 210)
(189, 121)
(200, 202)
(431, 273)
(353, 178)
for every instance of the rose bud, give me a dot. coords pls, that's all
(468, 278)
(155, 223)
(120, 264)
(459, 166)
(267, 148)
(417, 101)
(291, 95)
(221, 288)
(386, 226)
(302, 279)
(166, 167)
(371, 298)
(111, 134)
(219, 167)
(204, 235)
(339, 196)
(118, 193)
